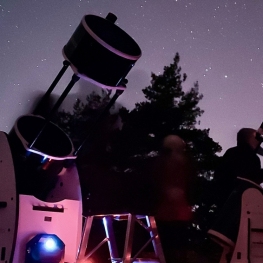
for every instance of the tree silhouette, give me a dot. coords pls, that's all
(168, 109)
(78, 123)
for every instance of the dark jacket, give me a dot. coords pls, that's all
(239, 161)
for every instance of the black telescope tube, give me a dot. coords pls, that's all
(101, 115)
(39, 108)
(74, 79)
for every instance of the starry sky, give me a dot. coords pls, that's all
(220, 43)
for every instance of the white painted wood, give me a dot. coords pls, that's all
(249, 245)
(8, 198)
(66, 225)
(67, 187)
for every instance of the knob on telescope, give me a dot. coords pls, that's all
(111, 17)
(259, 133)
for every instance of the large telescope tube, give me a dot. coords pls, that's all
(101, 52)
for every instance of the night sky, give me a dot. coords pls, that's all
(220, 43)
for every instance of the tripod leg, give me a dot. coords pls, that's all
(84, 239)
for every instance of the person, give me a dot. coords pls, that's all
(239, 170)
(174, 171)
(240, 161)
(175, 177)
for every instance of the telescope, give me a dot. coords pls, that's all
(259, 133)
(40, 199)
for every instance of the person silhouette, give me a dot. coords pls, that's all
(239, 170)
(175, 172)
(240, 161)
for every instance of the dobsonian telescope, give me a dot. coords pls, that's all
(40, 197)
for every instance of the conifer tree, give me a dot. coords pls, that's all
(78, 122)
(168, 109)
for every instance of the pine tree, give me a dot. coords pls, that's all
(77, 124)
(168, 109)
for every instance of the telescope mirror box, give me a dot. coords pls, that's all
(47, 227)
(101, 52)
